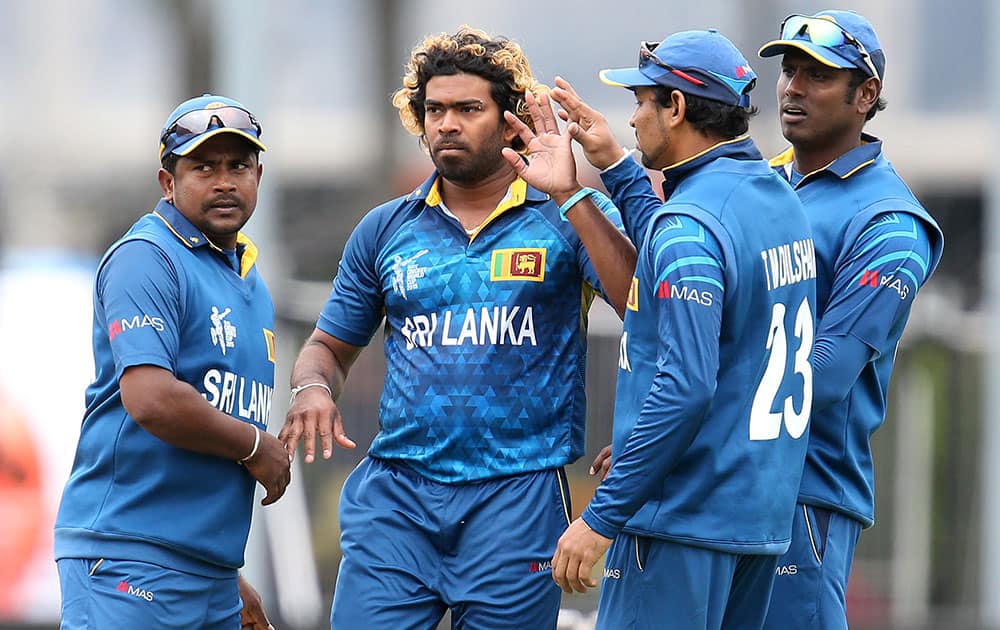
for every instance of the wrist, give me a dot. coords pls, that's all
(256, 445)
(572, 200)
(299, 388)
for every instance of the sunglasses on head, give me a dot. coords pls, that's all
(647, 56)
(823, 32)
(200, 120)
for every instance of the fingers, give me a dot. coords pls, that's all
(289, 435)
(514, 158)
(541, 112)
(559, 563)
(603, 459)
(339, 435)
(523, 131)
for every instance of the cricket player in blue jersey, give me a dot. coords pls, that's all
(875, 247)
(154, 519)
(714, 379)
(484, 283)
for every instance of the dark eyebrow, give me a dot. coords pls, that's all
(463, 103)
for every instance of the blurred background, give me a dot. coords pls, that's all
(87, 84)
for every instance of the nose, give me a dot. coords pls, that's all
(794, 84)
(224, 181)
(631, 120)
(449, 122)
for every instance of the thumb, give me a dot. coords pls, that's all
(514, 159)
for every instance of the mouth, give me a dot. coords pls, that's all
(791, 113)
(225, 205)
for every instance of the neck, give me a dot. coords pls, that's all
(812, 158)
(483, 195)
(694, 143)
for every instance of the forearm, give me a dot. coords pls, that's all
(318, 363)
(178, 414)
(630, 189)
(611, 253)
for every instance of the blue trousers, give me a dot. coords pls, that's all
(653, 584)
(413, 548)
(103, 593)
(810, 584)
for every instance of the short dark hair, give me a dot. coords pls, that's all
(470, 51)
(708, 116)
(854, 81)
(169, 163)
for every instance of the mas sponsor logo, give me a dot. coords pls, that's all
(126, 324)
(269, 342)
(786, 569)
(537, 567)
(497, 326)
(872, 278)
(612, 574)
(128, 589)
(632, 302)
(223, 332)
(668, 291)
(406, 272)
(518, 264)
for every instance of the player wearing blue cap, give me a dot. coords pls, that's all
(484, 285)
(875, 247)
(714, 375)
(154, 519)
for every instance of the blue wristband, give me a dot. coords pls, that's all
(575, 199)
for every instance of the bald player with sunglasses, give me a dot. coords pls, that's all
(155, 516)
(875, 247)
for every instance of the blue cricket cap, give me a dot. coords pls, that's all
(196, 120)
(700, 63)
(800, 32)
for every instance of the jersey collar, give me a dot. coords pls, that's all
(518, 193)
(192, 237)
(739, 148)
(843, 167)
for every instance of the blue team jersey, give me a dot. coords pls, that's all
(485, 336)
(714, 380)
(165, 296)
(875, 247)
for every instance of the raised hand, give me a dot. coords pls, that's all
(591, 129)
(548, 164)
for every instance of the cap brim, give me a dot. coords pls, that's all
(197, 141)
(821, 54)
(625, 77)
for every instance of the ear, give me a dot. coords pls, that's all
(166, 184)
(867, 95)
(678, 107)
(509, 133)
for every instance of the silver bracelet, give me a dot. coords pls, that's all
(296, 390)
(256, 443)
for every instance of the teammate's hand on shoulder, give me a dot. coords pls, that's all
(271, 466)
(313, 412)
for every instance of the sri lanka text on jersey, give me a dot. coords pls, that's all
(231, 393)
(499, 325)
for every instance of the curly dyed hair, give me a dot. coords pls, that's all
(471, 51)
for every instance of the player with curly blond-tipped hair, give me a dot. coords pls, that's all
(484, 283)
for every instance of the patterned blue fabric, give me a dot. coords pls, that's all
(485, 337)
